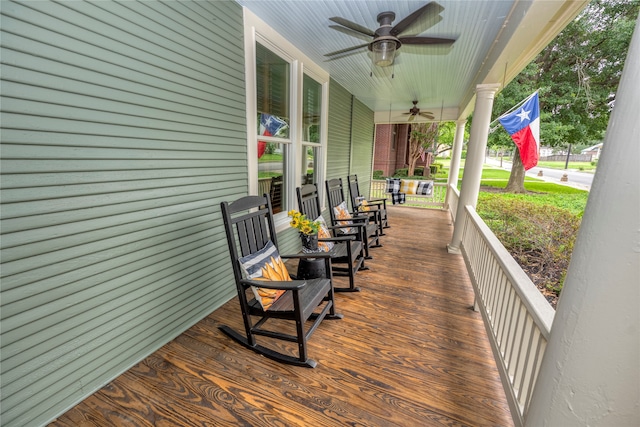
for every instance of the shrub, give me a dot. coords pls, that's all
(378, 174)
(539, 236)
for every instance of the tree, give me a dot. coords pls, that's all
(446, 135)
(577, 76)
(422, 135)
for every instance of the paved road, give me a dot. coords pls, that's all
(576, 179)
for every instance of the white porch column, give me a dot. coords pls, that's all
(475, 158)
(590, 374)
(454, 167)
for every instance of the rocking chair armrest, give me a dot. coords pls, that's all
(377, 202)
(281, 285)
(319, 254)
(339, 239)
(361, 219)
(358, 223)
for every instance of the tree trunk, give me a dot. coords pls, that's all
(516, 179)
(412, 165)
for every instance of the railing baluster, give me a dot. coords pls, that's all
(517, 315)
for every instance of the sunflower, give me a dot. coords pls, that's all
(302, 223)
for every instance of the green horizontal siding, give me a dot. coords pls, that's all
(339, 134)
(362, 143)
(351, 130)
(123, 130)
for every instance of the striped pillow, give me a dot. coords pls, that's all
(267, 265)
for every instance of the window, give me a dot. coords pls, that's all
(286, 117)
(311, 128)
(272, 122)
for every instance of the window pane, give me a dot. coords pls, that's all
(309, 164)
(271, 174)
(311, 104)
(272, 75)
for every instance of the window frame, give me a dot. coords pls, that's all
(256, 31)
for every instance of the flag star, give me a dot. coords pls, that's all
(524, 115)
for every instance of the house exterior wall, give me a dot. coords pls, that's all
(122, 132)
(350, 141)
(339, 136)
(385, 149)
(362, 148)
(402, 152)
(124, 127)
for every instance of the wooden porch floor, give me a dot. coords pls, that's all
(409, 352)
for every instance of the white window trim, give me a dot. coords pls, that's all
(257, 31)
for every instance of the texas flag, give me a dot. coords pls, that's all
(269, 126)
(523, 125)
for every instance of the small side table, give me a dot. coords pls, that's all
(311, 268)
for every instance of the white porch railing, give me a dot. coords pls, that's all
(517, 317)
(452, 200)
(378, 190)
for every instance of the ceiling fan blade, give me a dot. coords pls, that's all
(416, 40)
(349, 49)
(420, 20)
(428, 116)
(352, 25)
(350, 32)
(411, 118)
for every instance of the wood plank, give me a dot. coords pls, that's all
(408, 352)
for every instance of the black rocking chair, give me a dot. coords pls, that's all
(368, 230)
(377, 207)
(347, 255)
(249, 226)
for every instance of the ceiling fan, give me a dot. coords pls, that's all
(387, 39)
(415, 111)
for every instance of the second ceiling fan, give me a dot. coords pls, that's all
(387, 39)
(415, 111)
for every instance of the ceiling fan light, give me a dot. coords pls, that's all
(384, 52)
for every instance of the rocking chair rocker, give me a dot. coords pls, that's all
(251, 237)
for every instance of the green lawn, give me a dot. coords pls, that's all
(270, 158)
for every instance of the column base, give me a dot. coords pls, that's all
(453, 250)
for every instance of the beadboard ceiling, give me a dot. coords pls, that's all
(495, 40)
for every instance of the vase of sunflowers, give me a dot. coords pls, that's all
(308, 230)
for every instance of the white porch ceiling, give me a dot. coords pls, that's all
(496, 39)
